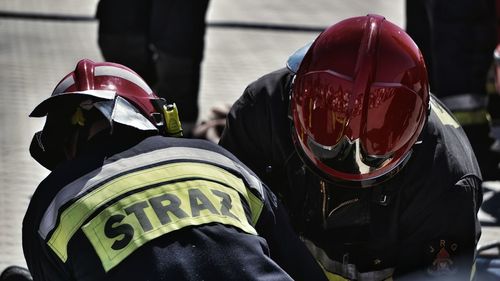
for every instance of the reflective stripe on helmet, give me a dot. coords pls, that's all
(99, 79)
(64, 85)
(124, 74)
(105, 70)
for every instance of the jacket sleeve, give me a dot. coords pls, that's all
(41, 263)
(257, 126)
(286, 248)
(441, 243)
(41, 268)
(247, 132)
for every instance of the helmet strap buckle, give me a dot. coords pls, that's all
(167, 118)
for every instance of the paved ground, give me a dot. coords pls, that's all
(36, 53)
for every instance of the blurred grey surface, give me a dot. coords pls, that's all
(36, 53)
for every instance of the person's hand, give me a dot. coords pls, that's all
(212, 128)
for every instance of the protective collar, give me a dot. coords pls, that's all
(295, 59)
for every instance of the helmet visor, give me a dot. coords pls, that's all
(348, 157)
(355, 136)
(348, 160)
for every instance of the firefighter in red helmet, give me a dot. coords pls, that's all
(127, 201)
(378, 178)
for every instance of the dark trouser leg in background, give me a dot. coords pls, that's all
(163, 41)
(123, 35)
(130, 50)
(177, 32)
(178, 81)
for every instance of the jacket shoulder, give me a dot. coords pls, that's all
(271, 84)
(452, 144)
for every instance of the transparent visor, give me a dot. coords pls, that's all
(348, 157)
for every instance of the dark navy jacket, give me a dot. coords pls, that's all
(422, 223)
(162, 209)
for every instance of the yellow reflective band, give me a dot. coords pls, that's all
(331, 276)
(473, 271)
(256, 206)
(339, 271)
(128, 224)
(334, 277)
(72, 218)
(472, 117)
(443, 115)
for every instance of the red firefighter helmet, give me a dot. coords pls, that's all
(114, 90)
(359, 101)
(101, 81)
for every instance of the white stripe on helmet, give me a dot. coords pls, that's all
(64, 85)
(124, 74)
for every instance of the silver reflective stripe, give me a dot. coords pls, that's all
(348, 270)
(112, 168)
(124, 74)
(64, 85)
(465, 102)
(127, 114)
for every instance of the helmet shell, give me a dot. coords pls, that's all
(103, 80)
(359, 100)
(113, 89)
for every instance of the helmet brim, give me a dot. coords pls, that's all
(50, 103)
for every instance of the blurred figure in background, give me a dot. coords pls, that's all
(163, 41)
(493, 88)
(457, 39)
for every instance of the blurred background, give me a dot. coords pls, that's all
(41, 41)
